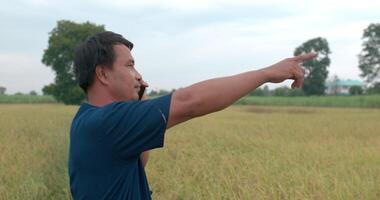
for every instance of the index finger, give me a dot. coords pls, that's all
(303, 57)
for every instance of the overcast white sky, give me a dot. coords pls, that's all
(178, 42)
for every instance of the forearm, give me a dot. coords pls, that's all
(144, 157)
(216, 94)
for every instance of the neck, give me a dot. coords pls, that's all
(99, 97)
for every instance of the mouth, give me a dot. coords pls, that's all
(137, 88)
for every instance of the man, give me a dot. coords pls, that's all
(110, 133)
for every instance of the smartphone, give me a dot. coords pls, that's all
(141, 92)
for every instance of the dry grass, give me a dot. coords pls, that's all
(275, 153)
(239, 153)
(33, 151)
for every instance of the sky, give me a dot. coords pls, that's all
(178, 43)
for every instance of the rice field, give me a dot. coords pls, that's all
(243, 152)
(361, 101)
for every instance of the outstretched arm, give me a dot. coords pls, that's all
(216, 94)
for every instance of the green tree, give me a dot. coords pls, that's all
(296, 92)
(59, 55)
(33, 93)
(2, 90)
(316, 69)
(257, 92)
(49, 89)
(374, 89)
(162, 92)
(281, 91)
(153, 93)
(369, 58)
(266, 91)
(356, 90)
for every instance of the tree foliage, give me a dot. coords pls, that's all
(59, 55)
(369, 58)
(257, 92)
(261, 91)
(356, 90)
(160, 92)
(33, 93)
(374, 89)
(316, 69)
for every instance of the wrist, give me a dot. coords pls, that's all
(265, 74)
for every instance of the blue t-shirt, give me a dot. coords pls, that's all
(105, 147)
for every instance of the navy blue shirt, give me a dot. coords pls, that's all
(105, 147)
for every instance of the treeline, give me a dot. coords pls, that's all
(359, 101)
(288, 92)
(20, 98)
(160, 92)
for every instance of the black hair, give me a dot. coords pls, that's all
(96, 50)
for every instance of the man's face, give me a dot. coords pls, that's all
(124, 80)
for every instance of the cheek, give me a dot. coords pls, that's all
(127, 78)
(131, 75)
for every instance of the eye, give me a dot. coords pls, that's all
(129, 65)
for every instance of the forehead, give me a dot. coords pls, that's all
(122, 53)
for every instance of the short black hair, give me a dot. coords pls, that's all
(96, 50)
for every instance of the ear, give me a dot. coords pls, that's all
(101, 74)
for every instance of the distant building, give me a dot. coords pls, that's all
(2, 90)
(341, 87)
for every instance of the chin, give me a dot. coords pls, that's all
(134, 97)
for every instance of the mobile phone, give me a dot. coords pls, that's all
(141, 92)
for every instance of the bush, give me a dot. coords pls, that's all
(296, 92)
(356, 90)
(288, 92)
(375, 89)
(281, 91)
(33, 93)
(257, 92)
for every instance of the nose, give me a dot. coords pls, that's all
(138, 76)
(140, 80)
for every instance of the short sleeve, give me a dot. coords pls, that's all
(137, 126)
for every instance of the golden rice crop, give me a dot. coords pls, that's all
(243, 152)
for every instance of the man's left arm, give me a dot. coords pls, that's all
(144, 156)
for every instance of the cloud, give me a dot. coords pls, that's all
(320, 6)
(180, 42)
(231, 47)
(23, 72)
